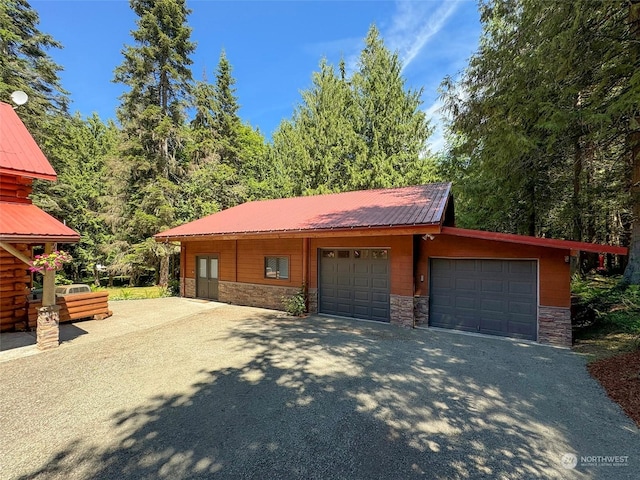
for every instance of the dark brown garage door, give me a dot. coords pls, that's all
(495, 297)
(355, 283)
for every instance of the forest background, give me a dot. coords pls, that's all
(543, 132)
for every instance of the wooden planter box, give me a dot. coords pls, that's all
(75, 307)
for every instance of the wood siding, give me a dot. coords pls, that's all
(75, 307)
(554, 276)
(226, 251)
(249, 255)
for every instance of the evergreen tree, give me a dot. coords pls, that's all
(80, 150)
(388, 119)
(26, 65)
(226, 122)
(536, 142)
(156, 70)
(366, 131)
(320, 146)
(632, 272)
(228, 156)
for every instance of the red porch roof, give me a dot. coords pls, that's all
(392, 207)
(537, 241)
(26, 223)
(19, 153)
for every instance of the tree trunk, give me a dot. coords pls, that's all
(531, 217)
(577, 173)
(632, 272)
(164, 269)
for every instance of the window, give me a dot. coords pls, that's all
(276, 267)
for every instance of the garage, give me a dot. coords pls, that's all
(489, 296)
(355, 283)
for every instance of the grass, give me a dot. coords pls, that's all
(134, 293)
(616, 313)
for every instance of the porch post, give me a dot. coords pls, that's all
(48, 329)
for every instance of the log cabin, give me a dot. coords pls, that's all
(23, 225)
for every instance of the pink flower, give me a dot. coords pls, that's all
(52, 261)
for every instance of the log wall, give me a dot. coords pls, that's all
(15, 282)
(75, 307)
(15, 189)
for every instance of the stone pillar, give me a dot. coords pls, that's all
(401, 310)
(312, 294)
(554, 326)
(48, 331)
(189, 290)
(421, 310)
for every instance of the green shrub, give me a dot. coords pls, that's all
(174, 288)
(615, 304)
(296, 304)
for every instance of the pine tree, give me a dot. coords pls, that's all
(632, 272)
(321, 145)
(80, 150)
(156, 70)
(536, 143)
(26, 65)
(229, 155)
(388, 119)
(366, 131)
(226, 122)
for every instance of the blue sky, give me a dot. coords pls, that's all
(273, 46)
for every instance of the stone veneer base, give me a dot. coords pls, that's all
(312, 295)
(401, 310)
(188, 288)
(48, 329)
(255, 295)
(421, 310)
(554, 326)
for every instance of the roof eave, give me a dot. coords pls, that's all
(535, 241)
(28, 174)
(374, 230)
(38, 239)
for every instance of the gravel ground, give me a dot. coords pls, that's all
(235, 392)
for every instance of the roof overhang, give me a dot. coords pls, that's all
(20, 154)
(26, 223)
(535, 241)
(317, 233)
(28, 174)
(38, 240)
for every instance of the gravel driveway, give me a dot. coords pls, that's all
(235, 392)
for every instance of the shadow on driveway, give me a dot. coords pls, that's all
(323, 398)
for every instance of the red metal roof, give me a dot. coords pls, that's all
(393, 207)
(20, 222)
(537, 241)
(19, 153)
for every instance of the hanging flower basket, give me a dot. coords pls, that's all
(52, 261)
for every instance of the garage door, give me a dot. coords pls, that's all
(496, 297)
(355, 283)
